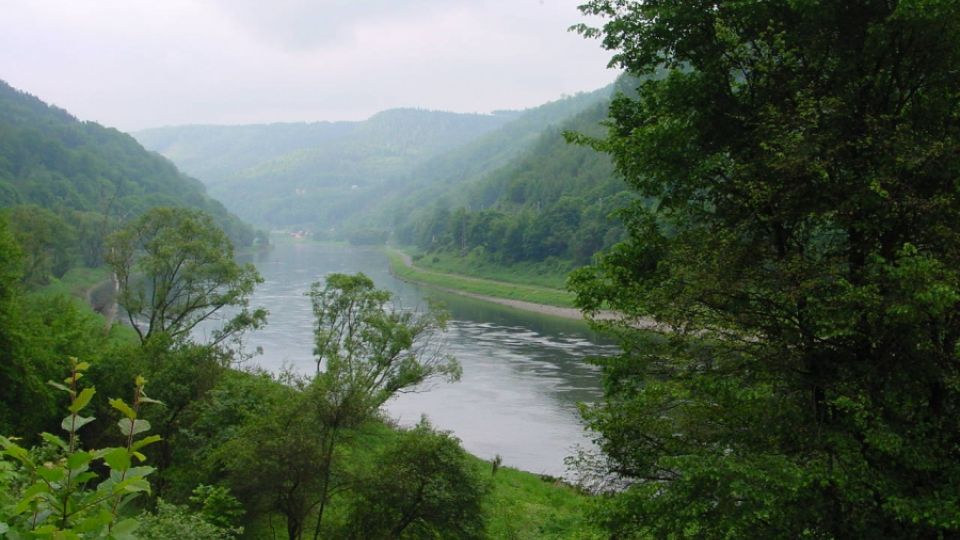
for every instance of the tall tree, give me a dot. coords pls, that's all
(176, 269)
(367, 351)
(802, 261)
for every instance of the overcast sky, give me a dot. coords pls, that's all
(133, 64)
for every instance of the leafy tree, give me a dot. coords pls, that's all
(176, 270)
(801, 261)
(366, 353)
(421, 486)
(275, 461)
(47, 240)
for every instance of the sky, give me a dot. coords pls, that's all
(134, 64)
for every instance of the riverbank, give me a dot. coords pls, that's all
(540, 300)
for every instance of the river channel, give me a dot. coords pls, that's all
(523, 373)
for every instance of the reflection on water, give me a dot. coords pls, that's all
(523, 374)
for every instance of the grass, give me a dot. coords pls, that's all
(76, 282)
(551, 273)
(524, 506)
(486, 287)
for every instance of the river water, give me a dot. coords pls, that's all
(523, 373)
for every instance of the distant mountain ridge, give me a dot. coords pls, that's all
(314, 175)
(331, 176)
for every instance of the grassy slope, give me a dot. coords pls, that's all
(500, 288)
(76, 284)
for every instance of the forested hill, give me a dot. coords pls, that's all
(85, 176)
(553, 199)
(315, 175)
(441, 181)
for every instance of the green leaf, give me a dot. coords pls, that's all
(4, 528)
(118, 459)
(82, 366)
(94, 522)
(145, 441)
(82, 400)
(54, 440)
(78, 459)
(124, 529)
(138, 426)
(60, 386)
(69, 424)
(54, 474)
(122, 406)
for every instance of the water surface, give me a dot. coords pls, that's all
(523, 373)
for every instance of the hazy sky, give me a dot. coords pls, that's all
(133, 64)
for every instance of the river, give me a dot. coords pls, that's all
(523, 373)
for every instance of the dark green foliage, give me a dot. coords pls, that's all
(802, 261)
(421, 486)
(91, 176)
(48, 241)
(177, 522)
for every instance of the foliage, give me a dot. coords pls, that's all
(217, 505)
(48, 242)
(53, 496)
(370, 350)
(366, 353)
(174, 522)
(274, 462)
(289, 457)
(176, 270)
(801, 259)
(421, 486)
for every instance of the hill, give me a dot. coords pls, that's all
(70, 182)
(315, 175)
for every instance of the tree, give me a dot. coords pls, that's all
(176, 269)
(801, 259)
(421, 486)
(47, 240)
(287, 459)
(366, 351)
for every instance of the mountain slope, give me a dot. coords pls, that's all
(89, 175)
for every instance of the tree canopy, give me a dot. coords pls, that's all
(802, 260)
(176, 269)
